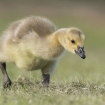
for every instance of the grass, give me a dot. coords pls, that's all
(75, 81)
(30, 91)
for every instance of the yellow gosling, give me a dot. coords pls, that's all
(35, 43)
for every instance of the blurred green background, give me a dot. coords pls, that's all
(88, 15)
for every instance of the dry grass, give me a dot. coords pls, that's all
(28, 91)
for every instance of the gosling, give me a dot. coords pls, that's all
(36, 43)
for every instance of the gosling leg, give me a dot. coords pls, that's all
(46, 72)
(6, 80)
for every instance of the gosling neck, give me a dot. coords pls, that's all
(60, 35)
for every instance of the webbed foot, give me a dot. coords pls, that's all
(7, 83)
(45, 80)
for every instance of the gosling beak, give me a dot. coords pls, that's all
(80, 51)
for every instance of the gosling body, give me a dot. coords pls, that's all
(36, 43)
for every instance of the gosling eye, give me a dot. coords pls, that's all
(72, 41)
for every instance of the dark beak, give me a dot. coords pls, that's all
(80, 51)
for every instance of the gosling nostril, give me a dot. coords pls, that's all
(80, 50)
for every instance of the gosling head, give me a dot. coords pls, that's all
(74, 42)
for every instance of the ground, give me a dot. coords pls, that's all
(75, 81)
